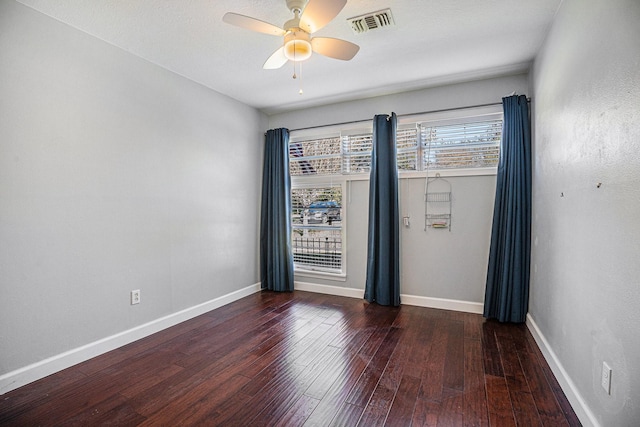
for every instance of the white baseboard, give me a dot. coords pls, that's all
(570, 390)
(18, 378)
(329, 290)
(444, 304)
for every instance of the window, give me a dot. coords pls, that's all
(317, 228)
(456, 144)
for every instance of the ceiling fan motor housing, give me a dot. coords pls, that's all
(296, 5)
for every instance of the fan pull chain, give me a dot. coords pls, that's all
(299, 68)
(294, 60)
(300, 91)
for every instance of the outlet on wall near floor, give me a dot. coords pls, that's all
(606, 377)
(135, 297)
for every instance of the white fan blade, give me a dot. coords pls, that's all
(334, 48)
(252, 24)
(318, 13)
(276, 60)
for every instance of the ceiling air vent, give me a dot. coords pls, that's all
(371, 21)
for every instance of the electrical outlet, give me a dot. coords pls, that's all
(606, 378)
(135, 297)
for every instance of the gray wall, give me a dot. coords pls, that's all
(435, 263)
(115, 175)
(585, 287)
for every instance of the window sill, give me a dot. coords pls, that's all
(336, 277)
(300, 180)
(449, 172)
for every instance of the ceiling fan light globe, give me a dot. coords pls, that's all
(297, 45)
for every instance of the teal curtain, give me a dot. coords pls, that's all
(507, 290)
(276, 257)
(383, 257)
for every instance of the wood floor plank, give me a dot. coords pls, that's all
(352, 338)
(420, 348)
(284, 382)
(432, 384)
(334, 398)
(281, 406)
(375, 412)
(74, 398)
(453, 376)
(366, 342)
(305, 359)
(30, 396)
(491, 355)
(365, 386)
(298, 413)
(425, 413)
(383, 340)
(213, 369)
(475, 412)
(401, 411)
(451, 409)
(113, 411)
(196, 406)
(379, 405)
(547, 406)
(522, 402)
(348, 416)
(472, 326)
(280, 403)
(567, 411)
(499, 402)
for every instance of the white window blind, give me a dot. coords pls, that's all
(461, 145)
(356, 151)
(425, 146)
(407, 148)
(320, 156)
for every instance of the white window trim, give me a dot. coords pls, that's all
(336, 277)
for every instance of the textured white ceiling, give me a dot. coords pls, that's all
(433, 42)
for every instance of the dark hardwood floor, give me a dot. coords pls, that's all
(292, 359)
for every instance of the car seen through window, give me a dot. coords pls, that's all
(323, 212)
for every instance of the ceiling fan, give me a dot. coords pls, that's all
(309, 17)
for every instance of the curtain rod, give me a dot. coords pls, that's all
(403, 115)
